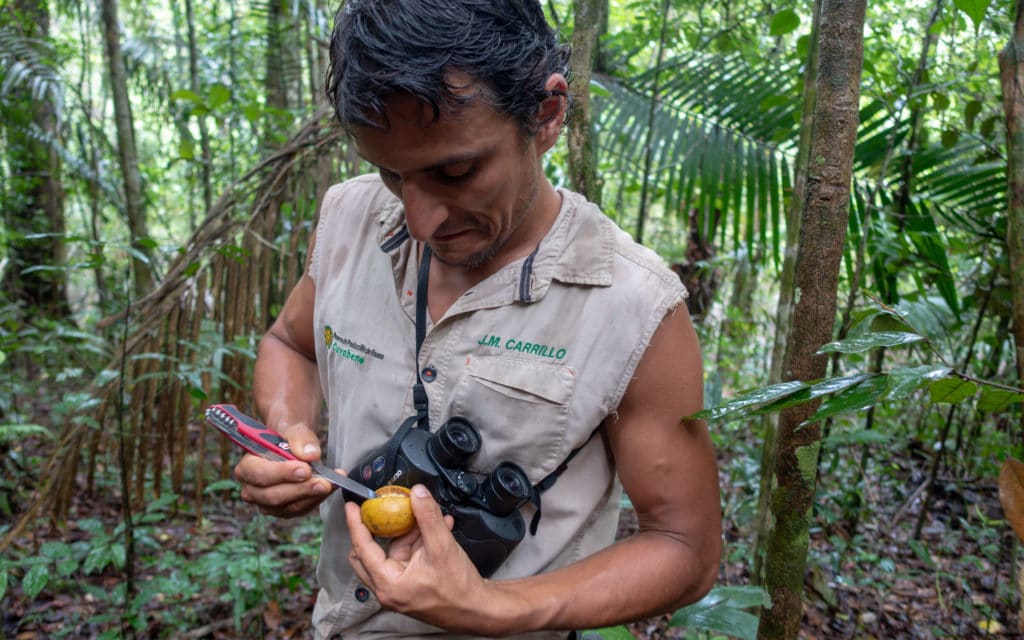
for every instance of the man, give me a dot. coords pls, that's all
(546, 325)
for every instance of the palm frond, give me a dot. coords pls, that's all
(24, 66)
(720, 147)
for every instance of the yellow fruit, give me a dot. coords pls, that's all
(390, 513)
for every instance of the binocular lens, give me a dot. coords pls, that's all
(506, 489)
(454, 442)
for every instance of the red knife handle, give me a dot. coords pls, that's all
(249, 433)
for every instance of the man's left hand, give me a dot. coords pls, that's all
(425, 573)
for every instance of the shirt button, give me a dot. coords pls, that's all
(429, 374)
(362, 594)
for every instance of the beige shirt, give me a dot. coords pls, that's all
(536, 356)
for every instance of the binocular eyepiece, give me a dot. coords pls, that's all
(505, 489)
(454, 443)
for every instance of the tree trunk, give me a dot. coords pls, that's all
(33, 211)
(641, 218)
(819, 253)
(582, 172)
(784, 310)
(206, 161)
(134, 204)
(1011, 73)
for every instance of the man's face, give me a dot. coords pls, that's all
(469, 181)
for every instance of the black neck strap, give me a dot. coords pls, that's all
(419, 394)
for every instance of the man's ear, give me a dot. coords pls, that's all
(551, 112)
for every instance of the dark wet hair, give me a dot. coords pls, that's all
(383, 47)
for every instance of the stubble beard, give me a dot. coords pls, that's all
(481, 258)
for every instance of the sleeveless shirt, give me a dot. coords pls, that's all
(536, 356)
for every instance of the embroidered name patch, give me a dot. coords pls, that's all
(522, 346)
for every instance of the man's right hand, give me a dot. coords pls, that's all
(285, 489)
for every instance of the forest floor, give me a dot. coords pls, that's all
(235, 574)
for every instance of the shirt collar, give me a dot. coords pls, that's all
(577, 250)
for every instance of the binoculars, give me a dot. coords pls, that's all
(488, 524)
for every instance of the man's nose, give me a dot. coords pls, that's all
(424, 211)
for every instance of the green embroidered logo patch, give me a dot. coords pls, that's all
(347, 348)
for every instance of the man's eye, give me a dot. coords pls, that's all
(456, 172)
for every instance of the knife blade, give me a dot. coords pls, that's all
(254, 436)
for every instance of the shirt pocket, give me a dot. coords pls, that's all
(521, 408)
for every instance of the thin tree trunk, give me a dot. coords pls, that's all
(1011, 73)
(822, 234)
(204, 136)
(648, 142)
(582, 171)
(134, 202)
(33, 210)
(784, 310)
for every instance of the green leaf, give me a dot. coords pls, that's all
(743, 597)
(857, 398)
(840, 383)
(975, 10)
(993, 399)
(721, 611)
(185, 94)
(950, 137)
(186, 149)
(856, 437)
(598, 89)
(921, 553)
(784, 22)
(988, 126)
(951, 390)
(252, 112)
(771, 102)
(817, 390)
(220, 485)
(906, 380)
(750, 398)
(868, 341)
(971, 112)
(66, 566)
(615, 633)
(219, 94)
(3, 580)
(15, 431)
(35, 580)
(55, 550)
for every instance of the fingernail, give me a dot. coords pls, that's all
(320, 487)
(420, 491)
(311, 450)
(301, 473)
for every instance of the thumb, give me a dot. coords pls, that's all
(428, 515)
(303, 442)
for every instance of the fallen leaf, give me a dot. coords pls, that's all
(272, 615)
(1011, 494)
